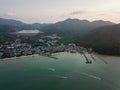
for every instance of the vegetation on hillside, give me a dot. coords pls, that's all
(104, 40)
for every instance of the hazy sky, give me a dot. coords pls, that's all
(56, 10)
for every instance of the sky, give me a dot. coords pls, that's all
(51, 11)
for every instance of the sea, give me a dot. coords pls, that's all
(67, 71)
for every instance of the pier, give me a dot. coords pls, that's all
(88, 61)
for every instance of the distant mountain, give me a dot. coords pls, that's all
(11, 22)
(66, 27)
(7, 25)
(73, 27)
(8, 29)
(34, 26)
(104, 40)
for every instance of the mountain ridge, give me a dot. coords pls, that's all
(74, 27)
(104, 40)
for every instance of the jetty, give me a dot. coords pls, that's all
(88, 61)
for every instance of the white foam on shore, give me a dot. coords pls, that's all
(92, 76)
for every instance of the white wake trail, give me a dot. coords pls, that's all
(92, 76)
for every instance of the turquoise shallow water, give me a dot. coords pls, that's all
(68, 72)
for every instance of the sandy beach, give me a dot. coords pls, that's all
(14, 58)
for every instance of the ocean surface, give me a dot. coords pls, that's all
(68, 72)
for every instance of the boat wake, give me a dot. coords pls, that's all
(92, 76)
(51, 69)
(61, 77)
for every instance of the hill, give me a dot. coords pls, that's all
(10, 25)
(70, 28)
(104, 40)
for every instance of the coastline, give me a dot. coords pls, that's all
(102, 57)
(13, 58)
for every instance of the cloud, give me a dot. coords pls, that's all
(10, 14)
(78, 12)
(14, 15)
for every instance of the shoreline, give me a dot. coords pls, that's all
(13, 58)
(53, 56)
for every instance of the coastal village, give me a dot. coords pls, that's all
(17, 49)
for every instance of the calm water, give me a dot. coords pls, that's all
(69, 72)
